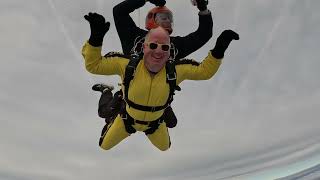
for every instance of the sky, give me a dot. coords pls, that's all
(258, 118)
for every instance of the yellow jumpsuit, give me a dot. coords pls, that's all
(145, 90)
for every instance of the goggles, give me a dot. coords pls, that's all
(162, 16)
(153, 46)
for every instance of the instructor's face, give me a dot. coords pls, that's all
(156, 49)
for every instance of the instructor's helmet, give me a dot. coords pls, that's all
(159, 16)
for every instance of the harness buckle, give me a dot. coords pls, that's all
(131, 70)
(131, 66)
(172, 78)
(124, 116)
(160, 120)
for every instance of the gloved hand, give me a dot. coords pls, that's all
(223, 42)
(99, 27)
(202, 4)
(158, 2)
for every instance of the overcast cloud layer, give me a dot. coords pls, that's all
(257, 118)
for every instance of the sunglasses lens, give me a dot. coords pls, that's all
(153, 45)
(165, 47)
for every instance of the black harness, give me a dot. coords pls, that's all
(171, 78)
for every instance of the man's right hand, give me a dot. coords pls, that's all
(99, 27)
(158, 2)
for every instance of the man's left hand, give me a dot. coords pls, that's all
(223, 42)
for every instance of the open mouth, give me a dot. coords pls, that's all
(157, 58)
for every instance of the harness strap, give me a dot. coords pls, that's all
(171, 80)
(153, 126)
(145, 108)
(129, 73)
(130, 121)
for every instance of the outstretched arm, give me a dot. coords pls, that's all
(91, 51)
(195, 40)
(207, 68)
(126, 27)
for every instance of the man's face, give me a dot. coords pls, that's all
(164, 20)
(156, 49)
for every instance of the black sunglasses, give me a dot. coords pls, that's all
(164, 47)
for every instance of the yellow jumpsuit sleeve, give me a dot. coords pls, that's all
(206, 69)
(97, 64)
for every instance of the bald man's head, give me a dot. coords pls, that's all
(156, 49)
(159, 31)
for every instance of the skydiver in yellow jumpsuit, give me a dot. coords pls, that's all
(149, 86)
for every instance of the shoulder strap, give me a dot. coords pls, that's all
(129, 73)
(171, 77)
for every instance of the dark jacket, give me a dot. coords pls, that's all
(128, 31)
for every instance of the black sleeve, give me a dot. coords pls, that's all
(126, 28)
(193, 41)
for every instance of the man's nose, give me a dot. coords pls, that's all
(159, 50)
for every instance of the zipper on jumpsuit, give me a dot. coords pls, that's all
(145, 114)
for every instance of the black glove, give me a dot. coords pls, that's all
(223, 42)
(158, 2)
(99, 27)
(202, 4)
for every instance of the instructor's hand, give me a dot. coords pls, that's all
(201, 4)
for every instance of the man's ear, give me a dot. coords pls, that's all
(143, 46)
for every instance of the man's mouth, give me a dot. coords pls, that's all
(157, 58)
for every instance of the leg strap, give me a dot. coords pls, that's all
(154, 125)
(128, 122)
